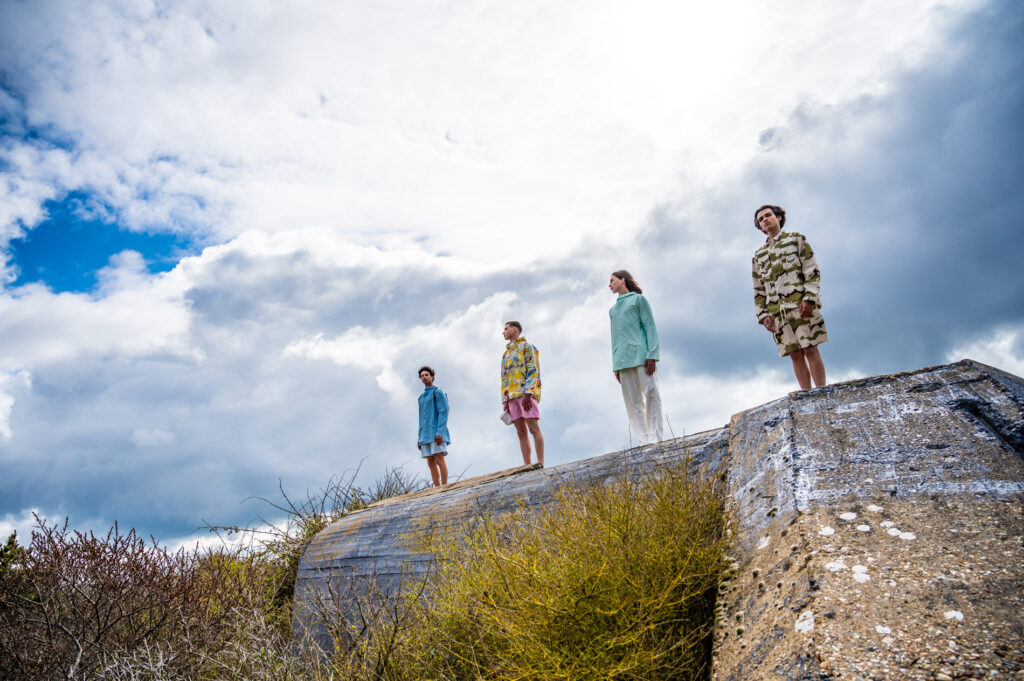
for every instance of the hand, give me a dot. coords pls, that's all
(769, 324)
(650, 366)
(806, 309)
(617, 379)
(527, 400)
(438, 440)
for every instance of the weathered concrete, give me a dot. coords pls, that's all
(881, 528)
(881, 531)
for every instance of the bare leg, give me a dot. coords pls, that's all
(538, 438)
(442, 467)
(816, 365)
(803, 374)
(434, 474)
(524, 439)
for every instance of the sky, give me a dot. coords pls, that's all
(231, 232)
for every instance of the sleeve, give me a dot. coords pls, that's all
(650, 330)
(760, 295)
(502, 387)
(441, 406)
(810, 273)
(531, 362)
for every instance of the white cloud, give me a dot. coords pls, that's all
(133, 315)
(10, 382)
(152, 437)
(382, 186)
(556, 123)
(1003, 349)
(21, 523)
(455, 335)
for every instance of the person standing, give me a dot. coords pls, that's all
(634, 357)
(787, 295)
(520, 389)
(433, 439)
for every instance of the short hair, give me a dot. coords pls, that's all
(515, 324)
(425, 368)
(779, 213)
(631, 284)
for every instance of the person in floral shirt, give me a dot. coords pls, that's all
(520, 389)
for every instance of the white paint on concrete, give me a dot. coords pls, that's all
(848, 516)
(875, 509)
(907, 536)
(887, 523)
(835, 566)
(860, 574)
(893, 532)
(764, 542)
(805, 622)
(863, 528)
(881, 629)
(954, 615)
(997, 488)
(826, 531)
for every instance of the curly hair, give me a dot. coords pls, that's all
(779, 213)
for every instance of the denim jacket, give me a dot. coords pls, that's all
(433, 415)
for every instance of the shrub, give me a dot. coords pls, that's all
(607, 582)
(72, 602)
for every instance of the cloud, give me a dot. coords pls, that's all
(905, 196)
(131, 315)
(1002, 348)
(377, 189)
(454, 335)
(561, 123)
(21, 523)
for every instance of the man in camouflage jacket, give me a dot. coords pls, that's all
(787, 295)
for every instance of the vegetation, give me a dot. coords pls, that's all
(612, 582)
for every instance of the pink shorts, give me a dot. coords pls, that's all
(515, 409)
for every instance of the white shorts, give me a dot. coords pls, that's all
(432, 448)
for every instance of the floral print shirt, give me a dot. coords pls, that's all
(520, 370)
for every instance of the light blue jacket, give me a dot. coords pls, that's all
(433, 415)
(634, 336)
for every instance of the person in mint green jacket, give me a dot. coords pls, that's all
(634, 357)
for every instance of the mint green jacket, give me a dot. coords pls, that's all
(634, 336)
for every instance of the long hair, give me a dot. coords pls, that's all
(631, 284)
(779, 213)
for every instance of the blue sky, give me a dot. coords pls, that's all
(66, 250)
(232, 233)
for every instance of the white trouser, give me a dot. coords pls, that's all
(643, 404)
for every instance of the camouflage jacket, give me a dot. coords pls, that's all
(785, 274)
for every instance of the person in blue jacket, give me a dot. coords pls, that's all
(433, 439)
(634, 357)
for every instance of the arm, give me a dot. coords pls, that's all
(650, 330)
(502, 380)
(760, 295)
(531, 369)
(811, 275)
(441, 407)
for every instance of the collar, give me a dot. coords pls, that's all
(516, 341)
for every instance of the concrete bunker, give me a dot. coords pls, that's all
(881, 527)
